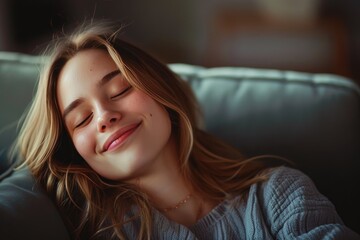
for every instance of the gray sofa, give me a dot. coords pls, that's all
(311, 119)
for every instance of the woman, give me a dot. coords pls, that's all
(113, 136)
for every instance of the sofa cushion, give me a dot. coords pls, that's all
(26, 212)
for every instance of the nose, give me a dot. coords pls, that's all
(107, 119)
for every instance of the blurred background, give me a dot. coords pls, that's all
(303, 35)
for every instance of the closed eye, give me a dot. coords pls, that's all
(83, 121)
(122, 92)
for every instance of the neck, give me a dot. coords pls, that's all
(164, 184)
(168, 191)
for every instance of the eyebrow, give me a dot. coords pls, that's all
(78, 101)
(72, 106)
(108, 77)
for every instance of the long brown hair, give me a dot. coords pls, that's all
(92, 206)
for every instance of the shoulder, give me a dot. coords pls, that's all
(293, 207)
(288, 191)
(287, 182)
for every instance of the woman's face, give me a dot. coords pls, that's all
(119, 131)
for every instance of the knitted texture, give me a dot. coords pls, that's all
(286, 206)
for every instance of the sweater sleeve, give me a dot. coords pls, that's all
(294, 208)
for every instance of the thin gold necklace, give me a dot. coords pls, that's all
(179, 204)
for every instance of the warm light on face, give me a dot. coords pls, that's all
(119, 130)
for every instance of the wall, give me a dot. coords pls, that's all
(184, 31)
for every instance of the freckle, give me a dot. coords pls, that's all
(91, 69)
(150, 115)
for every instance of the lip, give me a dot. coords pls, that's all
(119, 136)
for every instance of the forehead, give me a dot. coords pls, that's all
(81, 72)
(87, 62)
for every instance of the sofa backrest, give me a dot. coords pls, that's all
(18, 77)
(310, 119)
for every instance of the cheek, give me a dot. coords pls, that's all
(164, 122)
(84, 145)
(155, 112)
(160, 118)
(142, 103)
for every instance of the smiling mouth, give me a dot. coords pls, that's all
(119, 137)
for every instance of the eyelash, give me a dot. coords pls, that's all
(83, 121)
(117, 95)
(122, 92)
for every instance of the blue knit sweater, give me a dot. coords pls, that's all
(286, 206)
